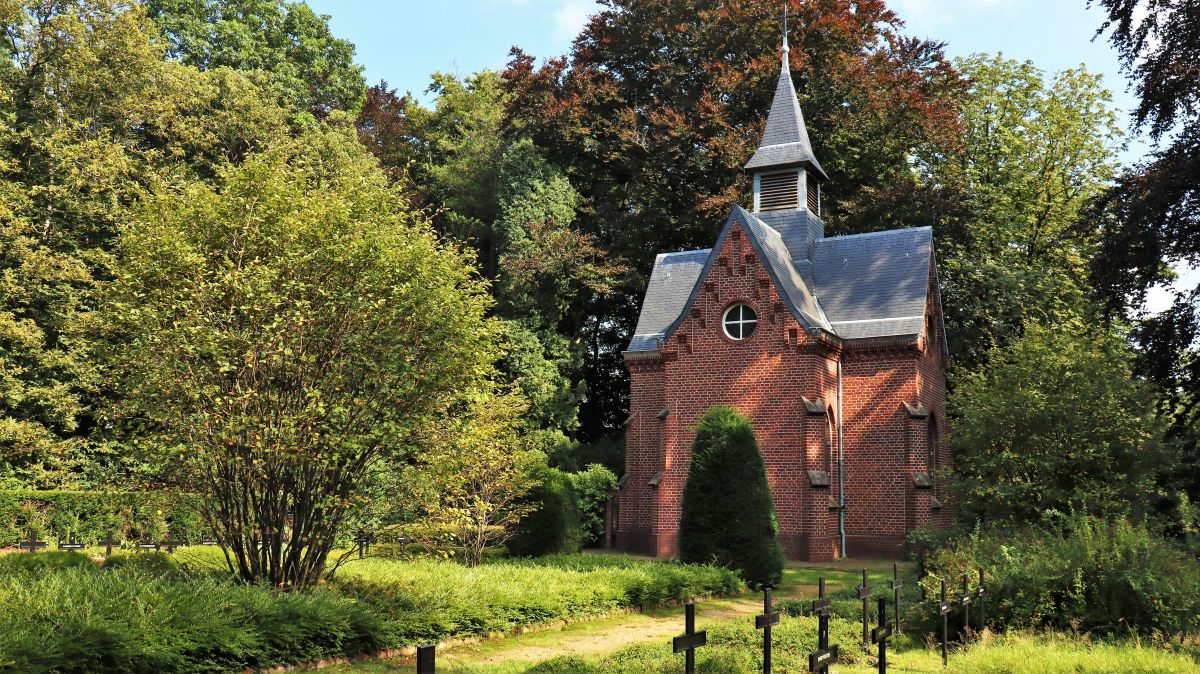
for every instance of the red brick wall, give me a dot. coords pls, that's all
(767, 377)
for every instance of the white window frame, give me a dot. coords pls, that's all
(741, 321)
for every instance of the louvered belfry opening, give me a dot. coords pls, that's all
(814, 206)
(779, 191)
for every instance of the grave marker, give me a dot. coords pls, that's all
(147, 543)
(364, 540)
(979, 596)
(896, 584)
(820, 659)
(864, 593)
(33, 544)
(944, 611)
(881, 634)
(764, 623)
(170, 543)
(425, 659)
(965, 600)
(71, 544)
(108, 542)
(690, 640)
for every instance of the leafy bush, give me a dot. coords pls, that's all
(132, 620)
(91, 515)
(43, 562)
(728, 516)
(554, 525)
(592, 487)
(1077, 572)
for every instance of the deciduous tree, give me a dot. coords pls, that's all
(284, 332)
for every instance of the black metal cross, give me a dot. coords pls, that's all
(108, 545)
(944, 611)
(71, 544)
(764, 623)
(896, 584)
(363, 540)
(147, 543)
(979, 596)
(864, 593)
(965, 600)
(208, 539)
(33, 544)
(820, 659)
(170, 543)
(691, 639)
(881, 634)
(425, 659)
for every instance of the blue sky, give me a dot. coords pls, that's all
(403, 41)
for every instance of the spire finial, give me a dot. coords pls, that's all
(785, 17)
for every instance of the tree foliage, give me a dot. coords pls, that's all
(728, 515)
(1056, 421)
(1151, 217)
(481, 471)
(552, 524)
(90, 116)
(313, 70)
(1035, 151)
(284, 331)
(660, 104)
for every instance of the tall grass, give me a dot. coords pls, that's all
(146, 613)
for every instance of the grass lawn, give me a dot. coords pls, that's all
(145, 612)
(641, 642)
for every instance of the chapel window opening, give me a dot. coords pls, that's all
(739, 321)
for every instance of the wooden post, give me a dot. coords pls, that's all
(979, 595)
(426, 659)
(108, 545)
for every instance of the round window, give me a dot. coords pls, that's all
(739, 321)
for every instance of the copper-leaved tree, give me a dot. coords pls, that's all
(283, 332)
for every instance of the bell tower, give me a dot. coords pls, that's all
(787, 175)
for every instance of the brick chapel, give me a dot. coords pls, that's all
(833, 347)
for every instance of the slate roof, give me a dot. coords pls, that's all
(874, 285)
(671, 283)
(858, 287)
(785, 139)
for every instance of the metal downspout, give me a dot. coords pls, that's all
(841, 467)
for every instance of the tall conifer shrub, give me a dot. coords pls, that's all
(728, 515)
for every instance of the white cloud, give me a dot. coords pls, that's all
(570, 18)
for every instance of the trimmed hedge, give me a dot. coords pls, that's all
(91, 515)
(553, 526)
(728, 516)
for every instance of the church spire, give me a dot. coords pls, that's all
(785, 141)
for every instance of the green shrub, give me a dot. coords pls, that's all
(92, 515)
(131, 620)
(592, 487)
(554, 525)
(1077, 572)
(158, 563)
(728, 516)
(425, 600)
(44, 561)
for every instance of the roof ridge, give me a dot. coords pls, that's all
(880, 232)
